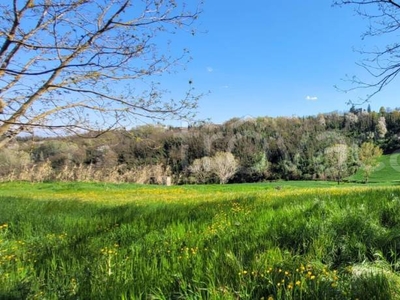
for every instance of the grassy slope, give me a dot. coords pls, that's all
(388, 171)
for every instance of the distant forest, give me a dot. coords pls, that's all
(261, 149)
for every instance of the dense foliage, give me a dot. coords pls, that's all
(265, 148)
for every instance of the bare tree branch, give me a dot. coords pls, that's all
(382, 64)
(88, 64)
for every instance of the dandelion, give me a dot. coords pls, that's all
(298, 282)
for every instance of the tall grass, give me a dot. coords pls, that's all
(93, 241)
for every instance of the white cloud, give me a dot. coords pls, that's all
(311, 98)
(209, 69)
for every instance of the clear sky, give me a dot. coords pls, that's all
(276, 58)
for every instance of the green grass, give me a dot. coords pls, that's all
(387, 172)
(284, 240)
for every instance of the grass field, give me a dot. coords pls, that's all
(387, 172)
(282, 240)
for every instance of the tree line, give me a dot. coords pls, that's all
(323, 147)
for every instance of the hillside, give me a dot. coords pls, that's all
(257, 149)
(388, 171)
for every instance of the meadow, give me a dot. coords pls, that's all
(281, 240)
(386, 173)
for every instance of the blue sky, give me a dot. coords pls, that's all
(275, 58)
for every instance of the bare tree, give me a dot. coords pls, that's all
(382, 63)
(224, 165)
(81, 65)
(336, 161)
(202, 169)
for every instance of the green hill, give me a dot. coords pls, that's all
(387, 171)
